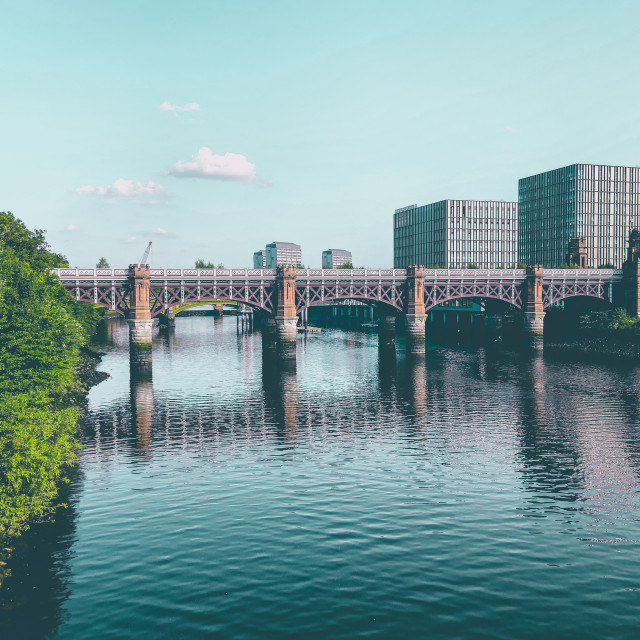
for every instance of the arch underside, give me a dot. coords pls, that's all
(436, 294)
(390, 295)
(554, 293)
(255, 296)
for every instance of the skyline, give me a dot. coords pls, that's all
(215, 130)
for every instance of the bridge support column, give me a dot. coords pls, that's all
(493, 326)
(168, 318)
(631, 279)
(386, 328)
(415, 315)
(286, 316)
(533, 310)
(139, 315)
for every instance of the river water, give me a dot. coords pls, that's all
(470, 493)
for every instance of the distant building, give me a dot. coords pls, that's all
(260, 259)
(600, 203)
(334, 258)
(280, 253)
(456, 233)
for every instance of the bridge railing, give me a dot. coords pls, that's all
(76, 273)
(582, 274)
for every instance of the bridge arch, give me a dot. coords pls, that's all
(163, 296)
(389, 297)
(553, 293)
(439, 292)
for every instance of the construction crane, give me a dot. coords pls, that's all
(145, 255)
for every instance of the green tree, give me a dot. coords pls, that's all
(346, 265)
(201, 263)
(42, 330)
(102, 264)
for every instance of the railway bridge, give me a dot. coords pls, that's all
(140, 293)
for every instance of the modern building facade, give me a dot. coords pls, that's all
(454, 234)
(599, 203)
(334, 258)
(260, 259)
(281, 253)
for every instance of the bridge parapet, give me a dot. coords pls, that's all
(610, 275)
(474, 274)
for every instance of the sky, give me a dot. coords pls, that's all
(213, 128)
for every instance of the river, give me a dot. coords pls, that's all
(471, 493)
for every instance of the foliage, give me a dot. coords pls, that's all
(472, 265)
(36, 444)
(42, 330)
(521, 265)
(614, 322)
(39, 337)
(102, 263)
(346, 265)
(434, 266)
(201, 263)
(569, 266)
(606, 265)
(27, 246)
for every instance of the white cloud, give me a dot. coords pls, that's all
(206, 164)
(131, 240)
(509, 127)
(72, 228)
(177, 108)
(159, 232)
(125, 189)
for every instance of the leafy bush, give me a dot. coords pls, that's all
(42, 330)
(36, 444)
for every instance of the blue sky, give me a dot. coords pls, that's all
(314, 120)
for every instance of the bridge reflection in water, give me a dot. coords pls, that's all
(228, 467)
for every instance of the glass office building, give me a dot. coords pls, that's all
(334, 258)
(596, 202)
(260, 259)
(281, 253)
(457, 233)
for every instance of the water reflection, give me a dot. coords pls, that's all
(32, 601)
(142, 406)
(245, 487)
(280, 387)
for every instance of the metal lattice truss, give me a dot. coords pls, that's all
(320, 287)
(554, 292)
(257, 287)
(439, 292)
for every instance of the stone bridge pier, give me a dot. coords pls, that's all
(139, 312)
(286, 317)
(533, 309)
(415, 315)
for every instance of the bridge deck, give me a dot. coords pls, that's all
(304, 275)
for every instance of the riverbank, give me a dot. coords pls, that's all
(612, 334)
(595, 347)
